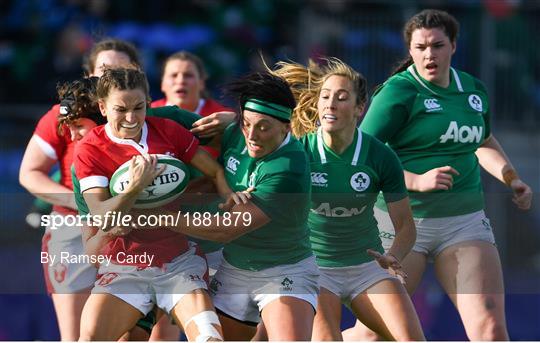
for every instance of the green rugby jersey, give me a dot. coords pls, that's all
(428, 127)
(282, 192)
(344, 188)
(82, 207)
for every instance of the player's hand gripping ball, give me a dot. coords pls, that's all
(165, 188)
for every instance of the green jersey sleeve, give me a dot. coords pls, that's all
(82, 207)
(487, 115)
(389, 109)
(182, 117)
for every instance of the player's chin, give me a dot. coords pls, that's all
(126, 133)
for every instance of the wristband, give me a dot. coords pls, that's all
(509, 176)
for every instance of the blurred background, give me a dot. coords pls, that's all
(42, 42)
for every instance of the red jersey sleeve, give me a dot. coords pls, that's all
(47, 137)
(89, 168)
(212, 106)
(159, 103)
(185, 142)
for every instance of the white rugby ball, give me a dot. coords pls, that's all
(164, 189)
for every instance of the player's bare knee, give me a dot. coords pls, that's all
(87, 336)
(92, 331)
(360, 334)
(88, 332)
(493, 330)
(410, 337)
(487, 328)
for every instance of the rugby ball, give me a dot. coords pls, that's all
(164, 189)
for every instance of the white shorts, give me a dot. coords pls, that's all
(214, 260)
(242, 294)
(348, 282)
(163, 286)
(433, 235)
(62, 275)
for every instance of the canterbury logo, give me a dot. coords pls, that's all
(232, 164)
(319, 179)
(432, 105)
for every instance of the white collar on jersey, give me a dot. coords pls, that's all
(285, 142)
(411, 70)
(198, 110)
(322, 153)
(142, 146)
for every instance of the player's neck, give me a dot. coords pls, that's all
(191, 106)
(339, 141)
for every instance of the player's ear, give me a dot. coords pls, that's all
(359, 111)
(102, 107)
(287, 127)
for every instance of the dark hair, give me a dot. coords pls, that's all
(110, 44)
(263, 86)
(121, 79)
(77, 100)
(188, 56)
(427, 19)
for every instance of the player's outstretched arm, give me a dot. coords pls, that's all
(33, 175)
(213, 124)
(493, 159)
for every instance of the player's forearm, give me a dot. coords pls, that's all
(401, 216)
(221, 184)
(404, 240)
(119, 205)
(493, 159)
(411, 181)
(40, 185)
(224, 227)
(95, 243)
(215, 228)
(213, 232)
(210, 168)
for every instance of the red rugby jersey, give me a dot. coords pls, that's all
(205, 108)
(99, 154)
(57, 146)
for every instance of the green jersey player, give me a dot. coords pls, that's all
(436, 119)
(269, 271)
(348, 169)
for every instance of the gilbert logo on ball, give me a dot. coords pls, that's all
(165, 188)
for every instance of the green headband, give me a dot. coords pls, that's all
(269, 108)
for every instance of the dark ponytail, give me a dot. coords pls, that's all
(402, 65)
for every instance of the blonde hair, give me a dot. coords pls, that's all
(306, 84)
